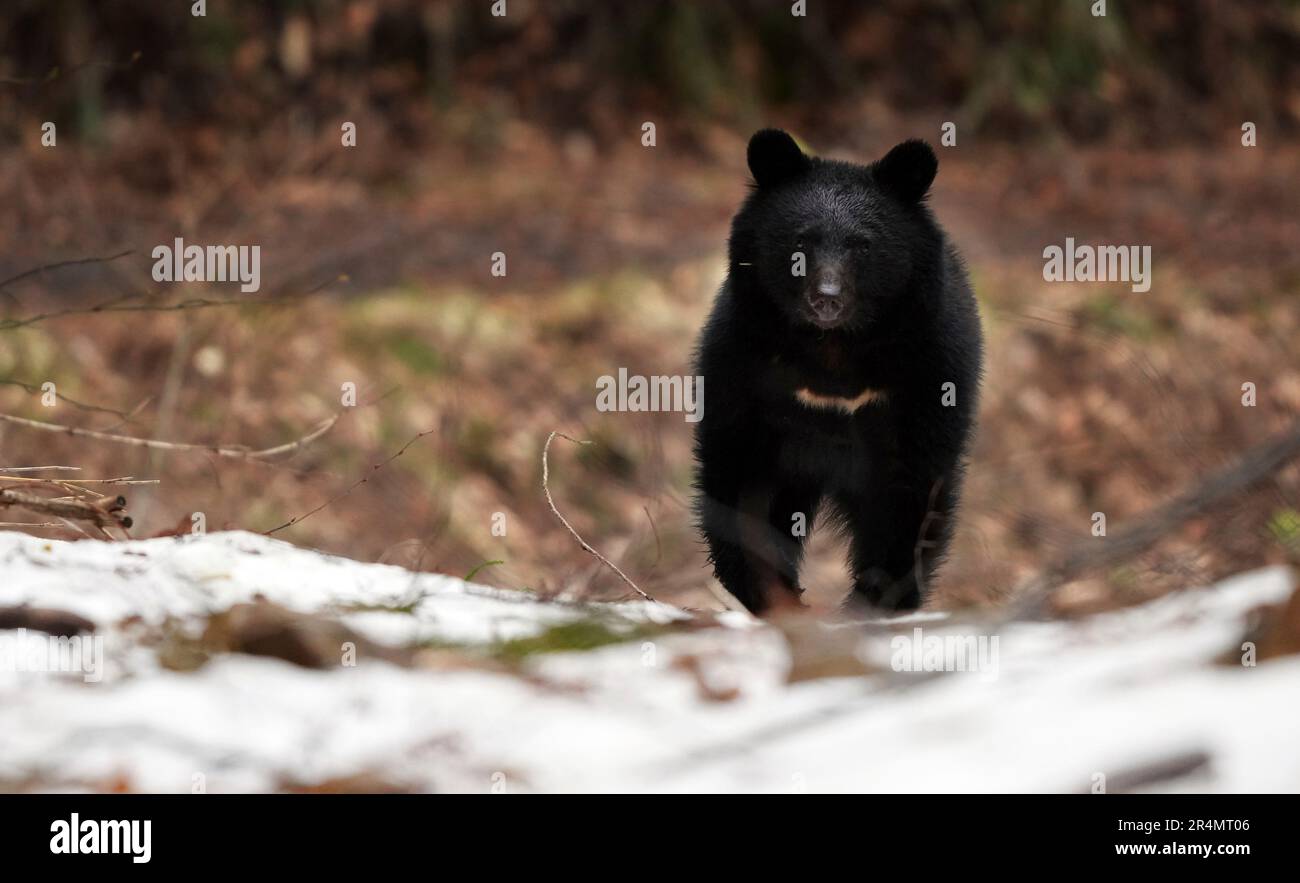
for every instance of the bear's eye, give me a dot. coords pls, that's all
(806, 239)
(858, 243)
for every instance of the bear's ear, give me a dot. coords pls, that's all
(774, 157)
(908, 170)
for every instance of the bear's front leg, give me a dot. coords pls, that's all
(734, 466)
(899, 533)
(747, 518)
(752, 560)
(790, 517)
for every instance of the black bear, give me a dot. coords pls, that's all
(842, 362)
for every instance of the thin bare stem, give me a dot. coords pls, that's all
(356, 484)
(546, 486)
(238, 452)
(58, 264)
(13, 470)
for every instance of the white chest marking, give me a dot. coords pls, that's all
(839, 403)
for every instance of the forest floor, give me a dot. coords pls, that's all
(376, 271)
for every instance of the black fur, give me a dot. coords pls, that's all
(884, 305)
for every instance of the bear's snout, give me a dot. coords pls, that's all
(826, 300)
(829, 288)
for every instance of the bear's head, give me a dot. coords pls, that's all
(832, 244)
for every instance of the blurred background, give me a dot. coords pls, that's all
(523, 134)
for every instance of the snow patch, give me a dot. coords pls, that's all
(699, 709)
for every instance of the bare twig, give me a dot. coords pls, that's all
(13, 470)
(75, 485)
(546, 475)
(77, 528)
(658, 547)
(356, 484)
(123, 416)
(238, 452)
(58, 264)
(55, 72)
(120, 305)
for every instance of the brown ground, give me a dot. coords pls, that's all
(1095, 399)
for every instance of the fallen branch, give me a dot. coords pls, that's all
(44, 619)
(239, 452)
(1252, 468)
(546, 486)
(102, 512)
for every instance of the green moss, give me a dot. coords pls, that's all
(474, 571)
(579, 636)
(570, 637)
(1284, 525)
(416, 354)
(397, 605)
(1124, 576)
(1109, 312)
